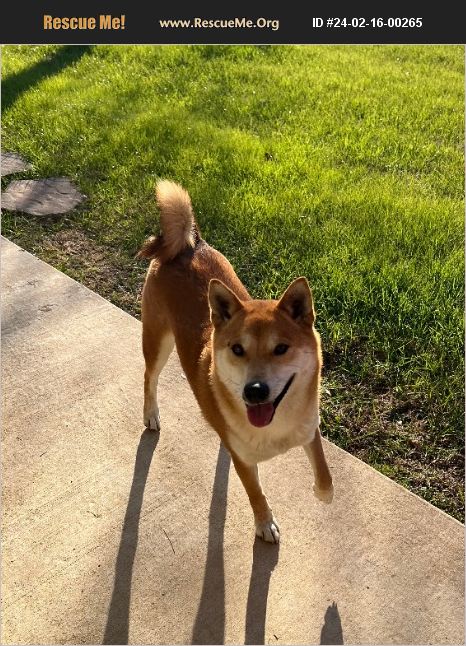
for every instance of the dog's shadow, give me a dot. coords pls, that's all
(209, 625)
(332, 631)
(265, 558)
(117, 627)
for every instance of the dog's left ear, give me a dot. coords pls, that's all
(222, 301)
(297, 302)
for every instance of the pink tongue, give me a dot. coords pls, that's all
(260, 414)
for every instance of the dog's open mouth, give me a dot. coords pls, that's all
(262, 414)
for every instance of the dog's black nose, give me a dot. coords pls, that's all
(256, 392)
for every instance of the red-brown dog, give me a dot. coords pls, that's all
(253, 365)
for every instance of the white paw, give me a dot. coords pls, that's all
(269, 531)
(152, 420)
(324, 495)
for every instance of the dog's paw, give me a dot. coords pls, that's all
(324, 495)
(268, 530)
(152, 420)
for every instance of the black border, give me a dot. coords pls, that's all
(22, 23)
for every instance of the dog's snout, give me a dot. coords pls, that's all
(256, 392)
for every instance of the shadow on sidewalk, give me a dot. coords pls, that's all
(15, 84)
(332, 631)
(117, 628)
(209, 626)
(265, 558)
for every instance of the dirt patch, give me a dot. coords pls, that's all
(105, 270)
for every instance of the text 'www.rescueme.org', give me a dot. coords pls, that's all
(220, 23)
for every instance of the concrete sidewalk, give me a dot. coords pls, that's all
(116, 535)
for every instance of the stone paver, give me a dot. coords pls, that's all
(42, 197)
(11, 163)
(115, 535)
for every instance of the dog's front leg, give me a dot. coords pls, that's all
(323, 486)
(266, 525)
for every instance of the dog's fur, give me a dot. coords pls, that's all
(226, 340)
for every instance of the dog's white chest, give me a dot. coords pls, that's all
(253, 445)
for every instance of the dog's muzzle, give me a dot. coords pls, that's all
(261, 414)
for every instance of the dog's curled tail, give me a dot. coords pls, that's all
(178, 226)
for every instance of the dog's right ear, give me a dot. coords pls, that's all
(223, 302)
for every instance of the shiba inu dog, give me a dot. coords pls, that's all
(254, 365)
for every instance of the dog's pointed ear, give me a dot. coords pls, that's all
(297, 302)
(223, 302)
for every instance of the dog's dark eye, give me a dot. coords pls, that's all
(237, 349)
(281, 348)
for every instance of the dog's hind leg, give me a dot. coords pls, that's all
(266, 525)
(323, 486)
(157, 344)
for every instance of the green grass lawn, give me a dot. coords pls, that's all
(341, 163)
